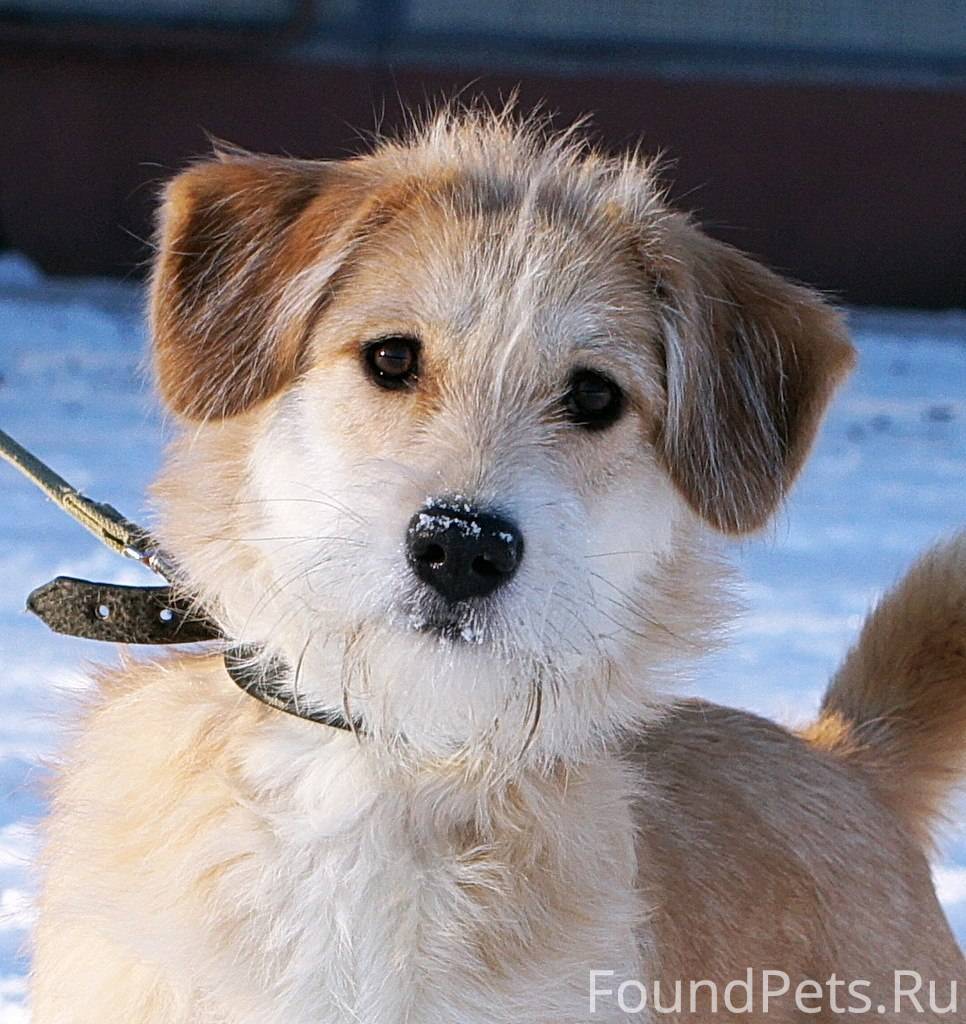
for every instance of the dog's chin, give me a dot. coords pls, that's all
(426, 691)
(449, 629)
(447, 679)
(457, 624)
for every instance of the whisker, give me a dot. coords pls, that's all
(612, 554)
(294, 538)
(297, 676)
(322, 502)
(631, 605)
(534, 709)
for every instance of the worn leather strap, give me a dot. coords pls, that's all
(154, 615)
(263, 681)
(119, 614)
(142, 615)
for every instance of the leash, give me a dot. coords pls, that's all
(115, 613)
(107, 524)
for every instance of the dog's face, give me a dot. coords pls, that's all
(464, 406)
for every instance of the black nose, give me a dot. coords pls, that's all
(461, 552)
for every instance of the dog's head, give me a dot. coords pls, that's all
(457, 415)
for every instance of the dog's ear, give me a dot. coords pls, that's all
(229, 306)
(752, 362)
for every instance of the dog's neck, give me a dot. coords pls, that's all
(496, 885)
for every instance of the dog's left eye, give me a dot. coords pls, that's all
(393, 362)
(593, 401)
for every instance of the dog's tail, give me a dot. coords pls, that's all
(896, 710)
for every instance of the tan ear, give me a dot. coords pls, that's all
(229, 304)
(752, 362)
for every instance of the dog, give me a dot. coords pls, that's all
(462, 421)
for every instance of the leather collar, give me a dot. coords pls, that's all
(157, 615)
(143, 615)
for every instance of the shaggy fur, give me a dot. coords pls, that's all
(526, 804)
(892, 710)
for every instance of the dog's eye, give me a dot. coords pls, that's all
(393, 362)
(593, 401)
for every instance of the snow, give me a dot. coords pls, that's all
(434, 523)
(886, 479)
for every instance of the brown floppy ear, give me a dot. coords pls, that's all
(752, 362)
(229, 306)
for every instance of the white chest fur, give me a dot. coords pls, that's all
(348, 896)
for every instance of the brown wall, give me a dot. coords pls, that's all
(856, 189)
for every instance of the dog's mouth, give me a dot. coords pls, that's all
(460, 624)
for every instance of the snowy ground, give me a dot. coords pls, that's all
(888, 477)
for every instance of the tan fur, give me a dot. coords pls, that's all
(172, 828)
(759, 851)
(896, 710)
(525, 805)
(759, 336)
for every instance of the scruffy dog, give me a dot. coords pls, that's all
(461, 419)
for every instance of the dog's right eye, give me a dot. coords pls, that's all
(393, 362)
